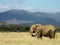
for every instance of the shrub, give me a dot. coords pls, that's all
(14, 28)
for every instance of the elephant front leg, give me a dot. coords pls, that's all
(39, 35)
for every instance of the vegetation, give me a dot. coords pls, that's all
(24, 38)
(58, 29)
(17, 28)
(14, 28)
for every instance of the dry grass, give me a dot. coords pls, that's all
(24, 38)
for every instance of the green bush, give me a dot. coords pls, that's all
(58, 30)
(14, 28)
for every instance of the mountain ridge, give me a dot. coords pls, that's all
(35, 17)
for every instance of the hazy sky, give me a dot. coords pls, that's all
(31, 5)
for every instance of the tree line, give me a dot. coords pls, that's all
(17, 28)
(14, 28)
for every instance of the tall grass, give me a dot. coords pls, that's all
(24, 38)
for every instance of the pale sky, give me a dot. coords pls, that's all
(31, 5)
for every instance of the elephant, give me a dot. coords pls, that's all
(40, 30)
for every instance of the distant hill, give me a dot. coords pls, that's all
(16, 16)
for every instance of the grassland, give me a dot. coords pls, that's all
(24, 38)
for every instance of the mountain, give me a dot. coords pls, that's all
(16, 16)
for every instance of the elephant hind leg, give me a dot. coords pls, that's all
(51, 34)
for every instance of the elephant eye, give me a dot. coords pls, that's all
(33, 31)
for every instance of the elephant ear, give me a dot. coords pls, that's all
(36, 26)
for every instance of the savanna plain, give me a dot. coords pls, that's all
(24, 38)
